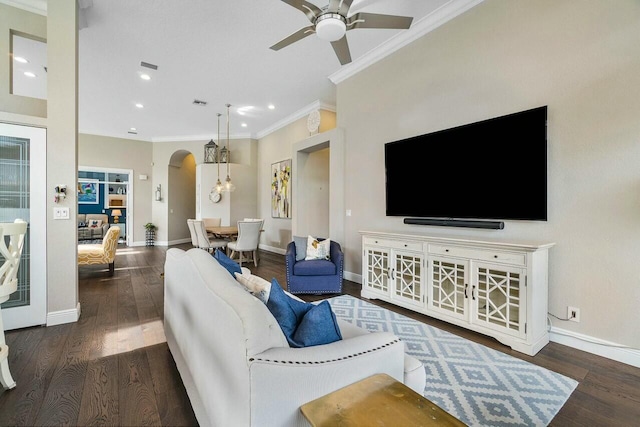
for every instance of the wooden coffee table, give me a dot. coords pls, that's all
(378, 400)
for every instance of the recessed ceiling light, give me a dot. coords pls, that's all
(244, 125)
(20, 59)
(29, 74)
(271, 107)
(133, 129)
(241, 112)
(139, 105)
(145, 76)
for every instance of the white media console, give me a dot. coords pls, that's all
(494, 288)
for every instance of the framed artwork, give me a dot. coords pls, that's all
(88, 191)
(281, 189)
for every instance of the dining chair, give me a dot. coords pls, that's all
(15, 233)
(212, 222)
(248, 240)
(204, 241)
(192, 232)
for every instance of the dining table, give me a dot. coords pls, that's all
(229, 231)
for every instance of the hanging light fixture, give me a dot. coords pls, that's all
(218, 188)
(228, 185)
(210, 152)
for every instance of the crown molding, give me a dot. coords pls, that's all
(427, 24)
(203, 137)
(34, 6)
(113, 135)
(304, 111)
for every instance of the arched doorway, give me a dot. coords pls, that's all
(180, 196)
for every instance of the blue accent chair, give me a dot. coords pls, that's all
(315, 276)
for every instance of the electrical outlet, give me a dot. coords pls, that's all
(573, 314)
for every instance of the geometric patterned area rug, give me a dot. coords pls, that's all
(476, 384)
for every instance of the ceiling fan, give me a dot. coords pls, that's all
(331, 23)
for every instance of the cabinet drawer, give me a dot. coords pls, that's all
(394, 244)
(479, 254)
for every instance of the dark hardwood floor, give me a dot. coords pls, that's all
(113, 366)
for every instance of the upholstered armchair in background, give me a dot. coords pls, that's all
(104, 253)
(316, 276)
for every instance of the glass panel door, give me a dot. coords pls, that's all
(23, 195)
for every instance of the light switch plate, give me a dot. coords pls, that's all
(60, 213)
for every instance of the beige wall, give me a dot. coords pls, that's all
(273, 148)
(182, 200)
(315, 175)
(243, 151)
(60, 116)
(27, 23)
(580, 58)
(62, 148)
(119, 153)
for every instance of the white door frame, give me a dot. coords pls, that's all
(36, 312)
(129, 207)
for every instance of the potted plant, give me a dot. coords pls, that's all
(150, 234)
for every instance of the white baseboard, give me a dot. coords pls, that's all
(63, 316)
(603, 348)
(268, 248)
(172, 242)
(162, 242)
(353, 277)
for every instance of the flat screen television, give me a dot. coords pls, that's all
(493, 169)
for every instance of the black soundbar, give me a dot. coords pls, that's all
(468, 223)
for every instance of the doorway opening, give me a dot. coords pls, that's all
(105, 194)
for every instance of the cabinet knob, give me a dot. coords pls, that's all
(446, 250)
(495, 256)
(405, 245)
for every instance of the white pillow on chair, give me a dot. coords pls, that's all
(317, 249)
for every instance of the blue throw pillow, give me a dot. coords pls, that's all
(287, 311)
(303, 324)
(318, 326)
(231, 266)
(301, 247)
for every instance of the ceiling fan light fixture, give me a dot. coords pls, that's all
(331, 27)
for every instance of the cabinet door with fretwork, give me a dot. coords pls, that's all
(377, 271)
(500, 297)
(449, 286)
(408, 277)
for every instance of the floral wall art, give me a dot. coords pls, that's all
(281, 189)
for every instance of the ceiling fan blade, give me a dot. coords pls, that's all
(311, 10)
(344, 7)
(374, 20)
(341, 48)
(339, 6)
(298, 35)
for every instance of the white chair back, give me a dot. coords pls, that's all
(248, 235)
(212, 222)
(203, 240)
(11, 254)
(192, 231)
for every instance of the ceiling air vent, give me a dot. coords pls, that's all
(133, 132)
(199, 102)
(146, 64)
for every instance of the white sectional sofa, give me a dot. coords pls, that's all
(234, 359)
